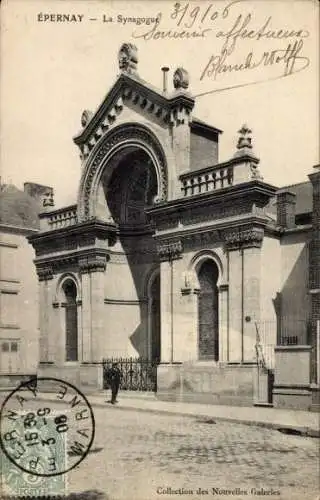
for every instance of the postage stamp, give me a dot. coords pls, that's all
(42, 440)
(21, 483)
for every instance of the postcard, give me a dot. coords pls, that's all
(160, 249)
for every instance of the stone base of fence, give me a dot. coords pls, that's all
(206, 382)
(88, 377)
(292, 388)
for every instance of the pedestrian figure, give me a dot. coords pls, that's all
(113, 376)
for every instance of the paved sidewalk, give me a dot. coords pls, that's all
(306, 423)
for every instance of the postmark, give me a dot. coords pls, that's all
(44, 436)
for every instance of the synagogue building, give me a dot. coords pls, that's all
(170, 255)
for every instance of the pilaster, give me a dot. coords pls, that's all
(223, 322)
(98, 329)
(169, 251)
(45, 306)
(92, 269)
(86, 342)
(244, 252)
(251, 300)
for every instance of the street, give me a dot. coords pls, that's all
(143, 456)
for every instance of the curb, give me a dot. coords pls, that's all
(298, 430)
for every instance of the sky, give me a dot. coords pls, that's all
(254, 62)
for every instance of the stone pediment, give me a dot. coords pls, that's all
(130, 89)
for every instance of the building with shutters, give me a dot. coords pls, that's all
(19, 325)
(171, 255)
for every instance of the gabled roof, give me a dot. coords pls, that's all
(149, 97)
(153, 97)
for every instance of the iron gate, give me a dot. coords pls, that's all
(137, 374)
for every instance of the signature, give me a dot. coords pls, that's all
(290, 59)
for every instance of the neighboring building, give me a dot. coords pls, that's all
(169, 254)
(19, 317)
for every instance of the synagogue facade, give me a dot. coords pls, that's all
(169, 254)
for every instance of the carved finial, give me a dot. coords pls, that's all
(181, 79)
(48, 200)
(245, 139)
(128, 58)
(86, 117)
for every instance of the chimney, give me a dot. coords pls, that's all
(165, 70)
(286, 208)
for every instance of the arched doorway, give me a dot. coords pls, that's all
(129, 184)
(208, 311)
(71, 320)
(154, 315)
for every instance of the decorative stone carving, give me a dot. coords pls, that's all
(181, 79)
(92, 263)
(255, 171)
(201, 240)
(44, 272)
(86, 117)
(48, 200)
(170, 249)
(129, 132)
(245, 140)
(128, 58)
(243, 237)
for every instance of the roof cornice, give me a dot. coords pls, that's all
(237, 191)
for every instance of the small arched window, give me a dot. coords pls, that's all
(71, 320)
(208, 313)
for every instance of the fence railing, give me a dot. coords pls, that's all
(137, 374)
(63, 217)
(286, 331)
(210, 179)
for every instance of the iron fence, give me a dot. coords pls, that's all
(137, 374)
(286, 331)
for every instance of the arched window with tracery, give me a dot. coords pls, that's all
(71, 320)
(208, 311)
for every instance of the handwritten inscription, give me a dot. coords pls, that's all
(242, 41)
(231, 28)
(290, 59)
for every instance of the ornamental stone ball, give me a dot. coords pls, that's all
(181, 79)
(128, 58)
(86, 117)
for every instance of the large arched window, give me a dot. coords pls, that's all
(71, 320)
(208, 313)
